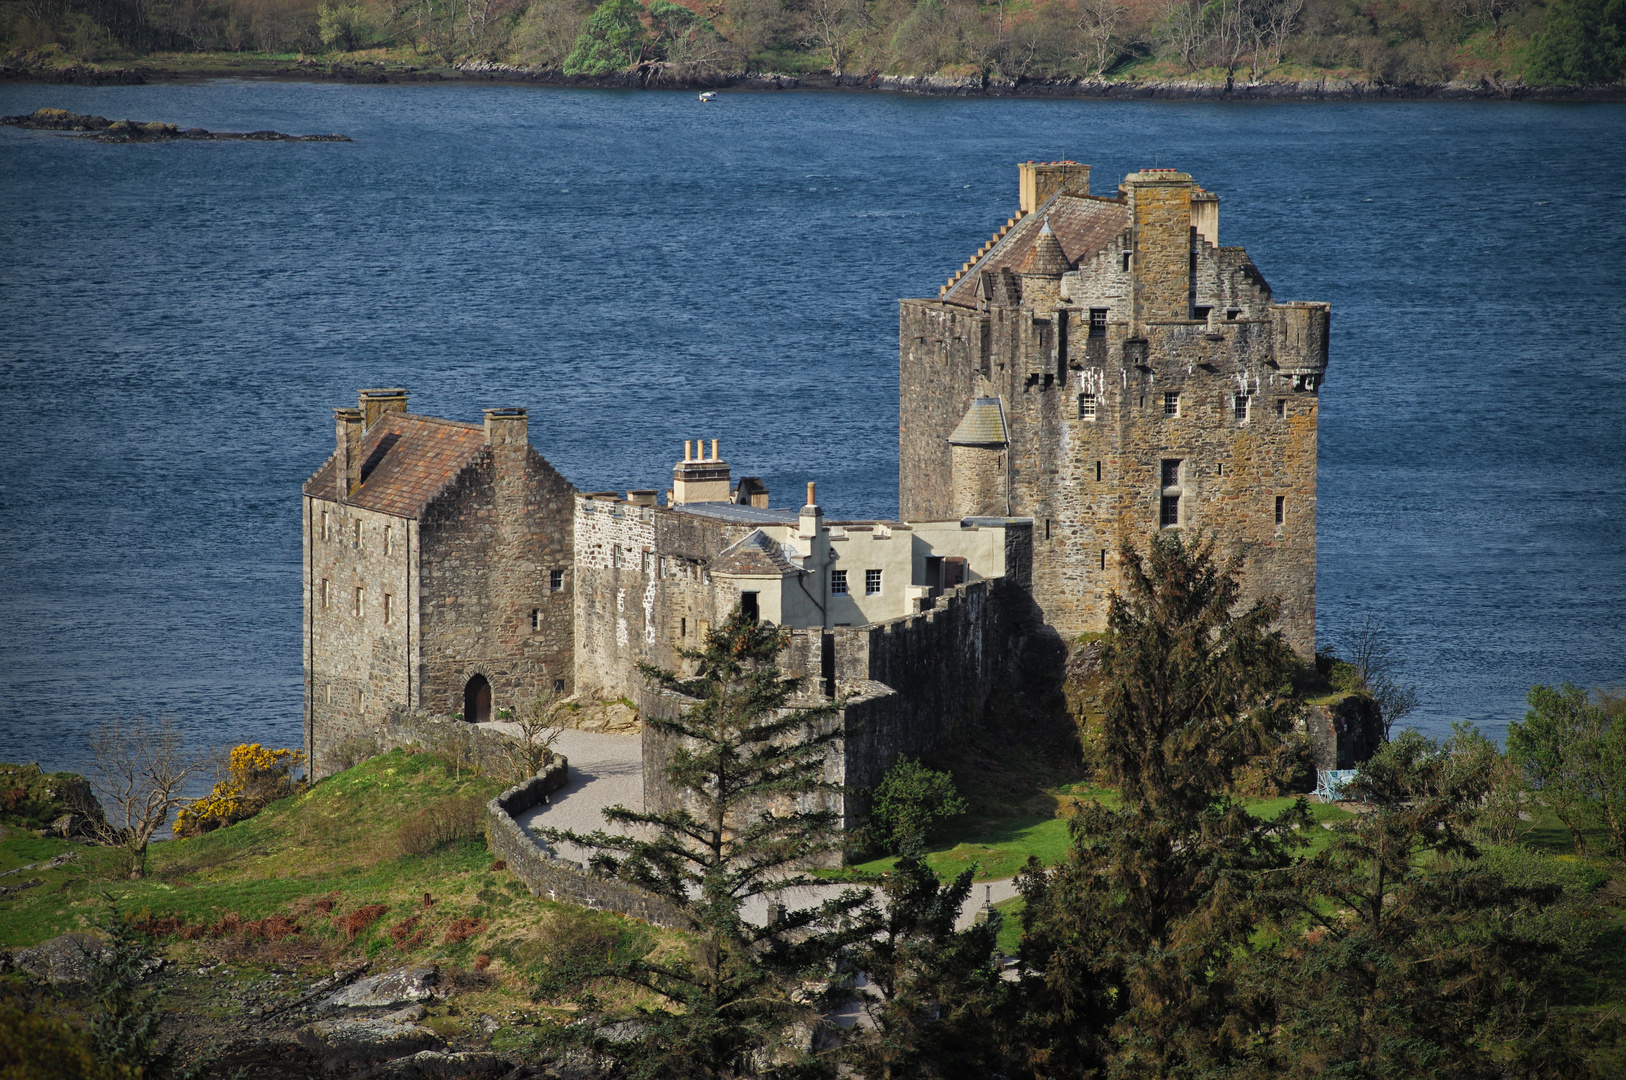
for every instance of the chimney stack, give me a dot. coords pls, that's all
(1037, 181)
(1160, 215)
(375, 403)
(698, 479)
(506, 427)
(811, 518)
(349, 425)
(1205, 214)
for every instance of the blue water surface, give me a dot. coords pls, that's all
(177, 322)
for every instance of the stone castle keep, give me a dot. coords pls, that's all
(1099, 370)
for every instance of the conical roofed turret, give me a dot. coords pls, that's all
(1047, 258)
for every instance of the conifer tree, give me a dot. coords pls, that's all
(612, 40)
(1128, 945)
(748, 764)
(933, 993)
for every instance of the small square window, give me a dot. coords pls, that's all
(1086, 406)
(1200, 313)
(389, 607)
(1098, 322)
(1232, 313)
(838, 582)
(556, 580)
(1171, 404)
(558, 686)
(361, 601)
(1281, 509)
(1239, 406)
(872, 582)
(1281, 407)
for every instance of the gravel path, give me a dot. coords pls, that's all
(608, 770)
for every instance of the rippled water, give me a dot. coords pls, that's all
(177, 322)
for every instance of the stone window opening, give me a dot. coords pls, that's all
(683, 627)
(1103, 558)
(1169, 505)
(872, 582)
(1126, 262)
(1047, 528)
(558, 686)
(355, 529)
(1239, 407)
(477, 700)
(328, 691)
(1281, 509)
(327, 531)
(1281, 408)
(389, 542)
(556, 580)
(361, 600)
(1098, 472)
(326, 592)
(1098, 322)
(838, 582)
(536, 619)
(1143, 401)
(389, 607)
(1086, 407)
(1200, 312)
(1231, 314)
(1219, 470)
(749, 607)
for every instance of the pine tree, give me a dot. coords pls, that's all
(933, 992)
(1128, 945)
(748, 762)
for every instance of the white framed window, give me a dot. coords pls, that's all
(536, 619)
(838, 582)
(1086, 406)
(1281, 509)
(1171, 403)
(556, 580)
(1281, 408)
(872, 582)
(1239, 407)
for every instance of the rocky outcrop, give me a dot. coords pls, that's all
(61, 802)
(352, 1044)
(401, 986)
(101, 129)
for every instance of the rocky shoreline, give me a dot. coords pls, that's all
(658, 77)
(101, 129)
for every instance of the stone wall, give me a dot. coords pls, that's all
(1344, 733)
(483, 747)
(358, 662)
(490, 544)
(558, 879)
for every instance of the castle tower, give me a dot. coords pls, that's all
(1143, 379)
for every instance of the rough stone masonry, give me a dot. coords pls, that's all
(1105, 368)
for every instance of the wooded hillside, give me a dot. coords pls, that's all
(1385, 41)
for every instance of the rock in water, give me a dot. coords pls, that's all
(102, 129)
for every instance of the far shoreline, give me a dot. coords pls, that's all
(1322, 89)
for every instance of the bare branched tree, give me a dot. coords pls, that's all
(540, 724)
(1185, 24)
(832, 25)
(1099, 23)
(1377, 667)
(141, 770)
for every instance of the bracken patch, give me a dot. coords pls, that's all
(463, 929)
(360, 919)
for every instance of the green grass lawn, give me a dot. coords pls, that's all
(998, 847)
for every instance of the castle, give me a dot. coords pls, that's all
(1099, 370)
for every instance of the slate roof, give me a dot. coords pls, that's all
(982, 425)
(757, 555)
(740, 513)
(1082, 224)
(406, 461)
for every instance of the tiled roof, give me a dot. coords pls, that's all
(983, 425)
(1082, 224)
(758, 555)
(406, 461)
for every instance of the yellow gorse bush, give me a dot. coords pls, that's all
(255, 776)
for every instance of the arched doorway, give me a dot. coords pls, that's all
(477, 700)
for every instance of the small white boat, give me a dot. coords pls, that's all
(708, 95)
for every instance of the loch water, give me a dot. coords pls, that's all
(178, 321)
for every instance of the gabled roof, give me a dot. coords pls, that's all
(406, 461)
(1082, 224)
(757, 555)
(982, 425)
